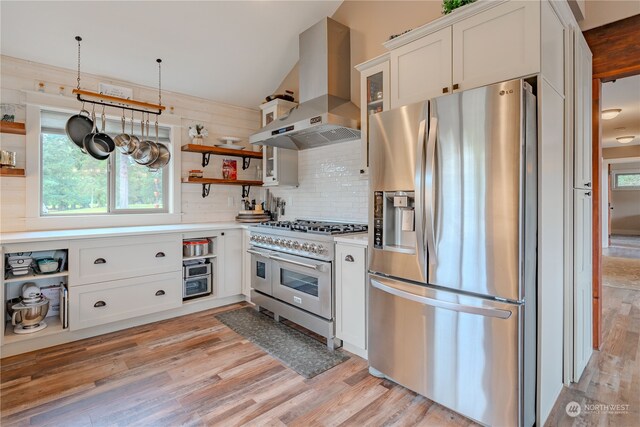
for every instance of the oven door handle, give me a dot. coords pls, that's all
(301, 264)
(264, 254)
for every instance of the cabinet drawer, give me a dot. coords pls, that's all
(103, 260)
(100, 303)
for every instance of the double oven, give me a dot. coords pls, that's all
(298, 281)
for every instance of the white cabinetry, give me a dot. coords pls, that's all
(374, 98)
(421, 69)
(582, 113)
(230, 280)
(582, 275)
(351, 297)
(101, 260)
(485, 43)
(499, 44)
(100, 303)
(246, 265)
(279, 165)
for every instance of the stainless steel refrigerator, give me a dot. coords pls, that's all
(452, 238)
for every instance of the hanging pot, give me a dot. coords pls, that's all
(147, 151)
(125, 141)
(164, 155)
(87, 141)
(98, 144)
(78, 126)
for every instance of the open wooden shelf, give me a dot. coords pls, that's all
(207, 182)
(217, 181)
(13, 127)
(206, 149)
(18, 173)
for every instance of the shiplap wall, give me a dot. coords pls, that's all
(220, 119)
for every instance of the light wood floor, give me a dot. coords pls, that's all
(612, 376)
(195, 371)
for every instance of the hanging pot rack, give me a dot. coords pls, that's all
(97, 98)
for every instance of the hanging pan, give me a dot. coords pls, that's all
(100, 145)
(78, 126)
(164, 154)
(147, 151)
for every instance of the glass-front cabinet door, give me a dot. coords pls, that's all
(374, 98)
(270, 165)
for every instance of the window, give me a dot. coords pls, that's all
(626, 180)
(73, 183)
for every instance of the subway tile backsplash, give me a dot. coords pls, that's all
(331, 186)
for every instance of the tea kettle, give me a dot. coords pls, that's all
(28, 315)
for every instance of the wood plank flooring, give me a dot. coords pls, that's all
(612, 376)
(195, 371)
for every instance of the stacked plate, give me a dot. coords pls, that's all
(252, 217)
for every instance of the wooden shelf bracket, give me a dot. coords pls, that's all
(206, 188)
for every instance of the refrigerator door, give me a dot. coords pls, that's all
(397, 141)
(480, 190)
(460, 351)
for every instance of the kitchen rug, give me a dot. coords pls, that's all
(298, 351)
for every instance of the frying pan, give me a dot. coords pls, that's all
(98, 144)
(147, 151)
(164, 155)
(78, 126)
(125, 141)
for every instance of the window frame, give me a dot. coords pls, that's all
(34, 219)
(619, 172)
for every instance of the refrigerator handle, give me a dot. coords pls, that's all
(419, 194)
(429, 200)
(462, 308)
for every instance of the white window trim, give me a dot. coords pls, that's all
(617, 172)
(36, 102)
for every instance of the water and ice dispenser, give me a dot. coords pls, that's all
(394, 221)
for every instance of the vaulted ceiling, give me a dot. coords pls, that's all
(235, 52)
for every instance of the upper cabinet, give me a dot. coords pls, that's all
(582, 112)
(499, 44)
(421, 69)
(279, 165)
(374, 98)
(483, 44)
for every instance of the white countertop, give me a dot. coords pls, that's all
(361, 239)
(48, 235)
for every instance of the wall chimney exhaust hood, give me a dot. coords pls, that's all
(326, 114)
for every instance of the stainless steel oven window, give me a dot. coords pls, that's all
(299, 281)
(261, 269)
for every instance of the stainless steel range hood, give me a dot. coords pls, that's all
(326, 114)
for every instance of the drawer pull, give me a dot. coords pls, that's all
(160, 293)
(100, 261)
(100, 304)
(445, 90)
(160, 255)
(456, 86)
(348, 258)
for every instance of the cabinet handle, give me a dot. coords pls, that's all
(445, 90)
(587, 194)
(100, 261)
(100, 304)
(160, 293)
(348, 258)
(456, 86)
(160, 255)
(588, 184)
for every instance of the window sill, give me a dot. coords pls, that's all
(98, 221)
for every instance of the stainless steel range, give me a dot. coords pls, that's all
(292, 271)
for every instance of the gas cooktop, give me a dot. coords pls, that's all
(315, 227)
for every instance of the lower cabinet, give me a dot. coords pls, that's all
(100, 303)
(351, 297)
(230, 266)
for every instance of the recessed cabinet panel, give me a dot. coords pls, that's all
(582, 111)
(421, 69)
(351, 295)
(499, 44)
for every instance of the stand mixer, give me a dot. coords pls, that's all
(28, 315)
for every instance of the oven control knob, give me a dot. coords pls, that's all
(289, 243)
(305, 246)
(295, 245)
(313, 249)
(320, 250)
(276, 242)
(269, 240)
(262, 239)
